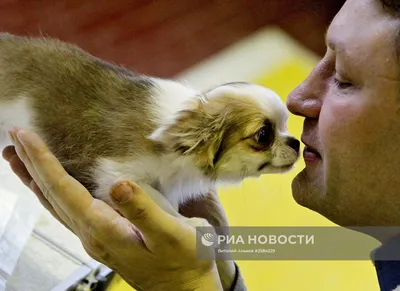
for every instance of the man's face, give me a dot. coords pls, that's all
(351, 104)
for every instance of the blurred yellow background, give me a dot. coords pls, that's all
(268, 202)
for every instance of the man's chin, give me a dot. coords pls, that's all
(311, 194)
(306, 191)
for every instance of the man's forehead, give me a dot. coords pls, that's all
(354, 18)
(364, 39)
(363, 26)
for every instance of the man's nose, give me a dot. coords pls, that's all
(306, 99)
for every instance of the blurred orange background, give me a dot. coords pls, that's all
(164, 37)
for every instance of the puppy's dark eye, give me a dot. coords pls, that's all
(265, 135)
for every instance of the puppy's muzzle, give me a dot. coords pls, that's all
(293, 143)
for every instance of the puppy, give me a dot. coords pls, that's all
(105, 123)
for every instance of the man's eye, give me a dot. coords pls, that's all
(342, 85)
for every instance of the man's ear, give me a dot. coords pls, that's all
(194, 131)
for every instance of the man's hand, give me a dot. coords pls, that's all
(149, 248)
(209, 207)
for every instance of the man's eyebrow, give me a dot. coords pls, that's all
(328, 41)
(333, 44)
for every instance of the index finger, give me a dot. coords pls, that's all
(68, 193)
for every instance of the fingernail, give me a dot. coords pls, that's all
(122, 193)
(10, 135)
(22, 136)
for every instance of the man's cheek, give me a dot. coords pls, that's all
(333, 128)
(349, 123)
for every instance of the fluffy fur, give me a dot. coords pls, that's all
(104, 122)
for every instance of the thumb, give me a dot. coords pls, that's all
(136, 206)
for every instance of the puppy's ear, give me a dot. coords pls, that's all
(196, 131)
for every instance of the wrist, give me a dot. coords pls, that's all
(227, 274)
(209, 281)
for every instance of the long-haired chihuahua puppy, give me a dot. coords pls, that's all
(105, 123)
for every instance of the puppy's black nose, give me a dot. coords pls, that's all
(293, 143)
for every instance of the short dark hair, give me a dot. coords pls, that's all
(393, 5)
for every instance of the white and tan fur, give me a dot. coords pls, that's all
(105, 123)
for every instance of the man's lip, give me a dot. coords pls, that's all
(310, 155)
(310, 148)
